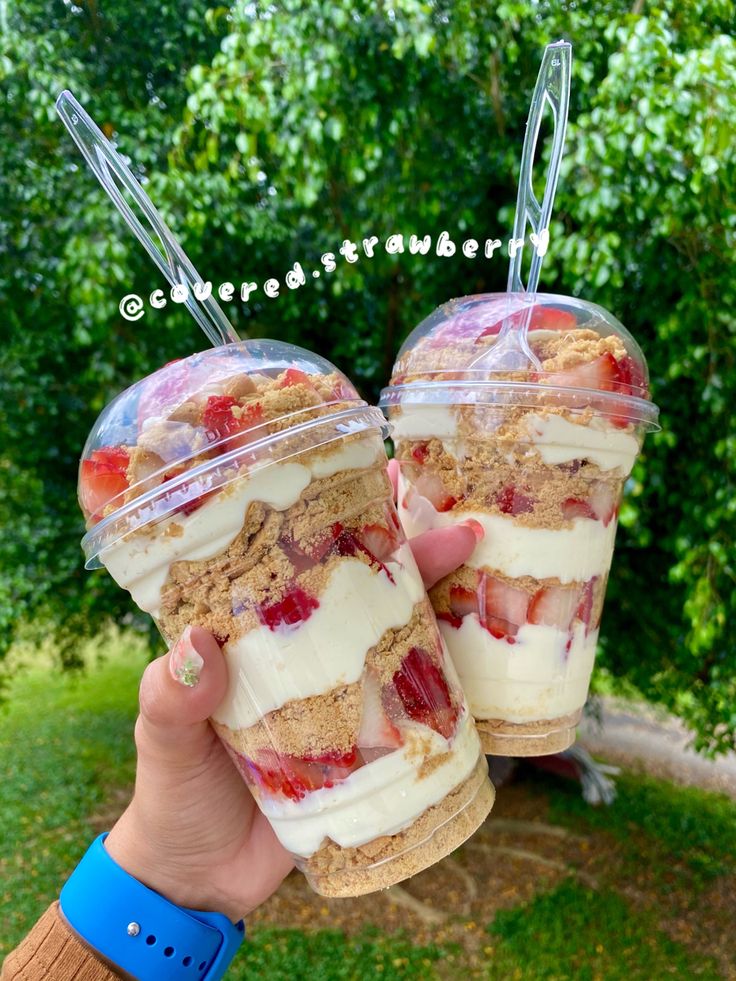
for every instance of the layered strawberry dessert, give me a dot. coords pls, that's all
(539, 459)
(343, 712)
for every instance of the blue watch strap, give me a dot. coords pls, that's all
(140, 931)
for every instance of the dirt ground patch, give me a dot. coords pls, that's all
(513, 857)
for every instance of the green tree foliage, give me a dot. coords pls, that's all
(270, 133)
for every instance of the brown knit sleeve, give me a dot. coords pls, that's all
(53, 952)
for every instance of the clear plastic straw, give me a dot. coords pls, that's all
(108, 167)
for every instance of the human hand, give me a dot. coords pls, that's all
(193, 832)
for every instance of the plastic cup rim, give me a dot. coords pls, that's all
(93, 542)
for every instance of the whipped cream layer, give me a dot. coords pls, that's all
(268, 668)
(427, 422)
(554, 437)
(558, 440)
(141, 562)
(572, 554)
(535, 678)
(381, 798)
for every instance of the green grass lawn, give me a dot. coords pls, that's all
(66, 746)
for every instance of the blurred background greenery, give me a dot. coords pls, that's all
(269, 132)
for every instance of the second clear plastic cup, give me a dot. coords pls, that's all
(539, 458)
(245, 490)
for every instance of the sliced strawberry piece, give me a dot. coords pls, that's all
(631, 377)
(221, 422)
(306, 555)
(380, 542)
(540, 318)
(420, 452)
(550, 318)
(348, 544)
(631, 381)
(188, 507)
(425, 694)
(315, 772)
(295, 607)
(575, 507)
(555, 606)
(102, 477)
(512, 501)
(603, 501)
(463, 601)
(343, 392)
(450, 618)
(377, 731)
(294, 376)
(584, 611)
(295, 777)
(600, 374)
(429, 485)
(502, 607)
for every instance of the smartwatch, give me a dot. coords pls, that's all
(141, 932)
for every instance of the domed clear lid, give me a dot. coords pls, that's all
(522, 349)
(167, 443)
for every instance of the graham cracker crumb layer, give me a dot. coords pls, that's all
(539, 738)
(221, 593)
(305, 727)
(556, 350)
(438, 831)
(492, 476)
(331, 721)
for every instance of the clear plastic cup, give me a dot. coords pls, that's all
(244, 490)
(539, 457)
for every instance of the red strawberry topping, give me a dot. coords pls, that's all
(296, 607)
(293, 376)
(377, 731)
(550, 318)
(380, 542)
(603, 500)
(420, 452)
(305, 556)
(102, 478)
(450, 618)
(540, 318)
(221, 422)
(294, 777)
(463, 601)
(502, 607)
(512, 501)
(349, 544)
(575, 507)
(429, 485)
(600, 374)
(555, 606)
(631, 377)
(584, 611)
(425, 694)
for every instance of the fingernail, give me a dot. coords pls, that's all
(185, 663)
(476, 527)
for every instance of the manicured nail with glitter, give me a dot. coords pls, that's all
(476, 527)
(185, 663)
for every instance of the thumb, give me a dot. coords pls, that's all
(440, 551)
(180, 690)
